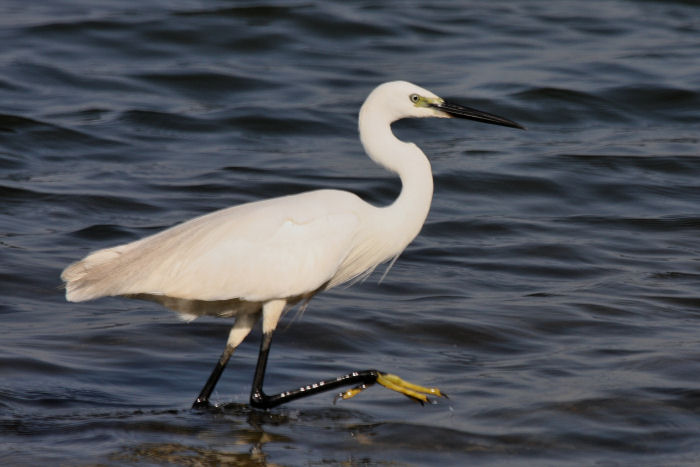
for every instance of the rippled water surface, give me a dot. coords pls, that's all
(553, 292)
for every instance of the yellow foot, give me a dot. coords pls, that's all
(350, 393)
(393, 382)
(410, 390)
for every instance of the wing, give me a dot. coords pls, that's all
(277, 248)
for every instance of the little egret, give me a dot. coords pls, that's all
(256, 259)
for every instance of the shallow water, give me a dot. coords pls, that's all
(553, 292)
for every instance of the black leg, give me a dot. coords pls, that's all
(203, 398)
(261, 400)
(356, 378)
(359, 379)
(257, 396)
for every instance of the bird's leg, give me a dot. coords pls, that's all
(359, 379)
(260, 400)
(257, 397)
(238, 332)
(203, 398)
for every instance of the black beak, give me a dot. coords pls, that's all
(460, 111)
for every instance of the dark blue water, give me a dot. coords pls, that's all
(554, 292)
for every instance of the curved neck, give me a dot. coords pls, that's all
(406, 215)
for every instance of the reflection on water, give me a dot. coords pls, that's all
(236, 436)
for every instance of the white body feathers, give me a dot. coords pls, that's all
(279, 250)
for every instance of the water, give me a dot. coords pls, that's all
(553, 292)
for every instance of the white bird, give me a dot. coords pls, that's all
(256, 259)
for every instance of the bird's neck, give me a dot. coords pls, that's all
(408, 212)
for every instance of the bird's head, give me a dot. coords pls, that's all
(401, 99)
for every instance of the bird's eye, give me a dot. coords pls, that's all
(414, 98)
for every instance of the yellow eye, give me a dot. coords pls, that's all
(414, 98)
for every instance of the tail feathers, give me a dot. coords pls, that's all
(84, 278)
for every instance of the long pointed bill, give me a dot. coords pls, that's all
(460, 111)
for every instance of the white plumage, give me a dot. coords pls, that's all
(254, 259)
(281, 248)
